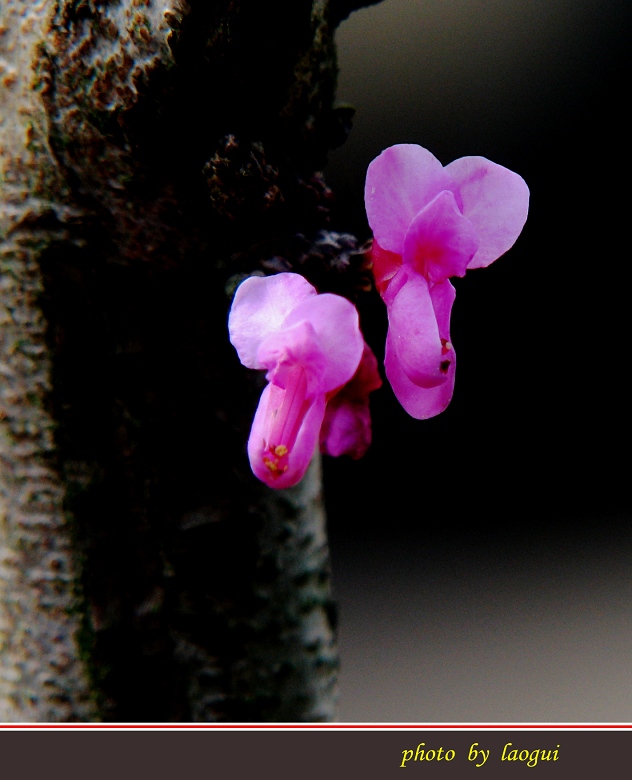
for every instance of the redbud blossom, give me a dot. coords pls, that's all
(431, 223)
(311, 346)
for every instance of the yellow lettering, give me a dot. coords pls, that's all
(406, 756)
(533, 757)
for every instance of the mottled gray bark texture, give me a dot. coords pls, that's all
(153, 153)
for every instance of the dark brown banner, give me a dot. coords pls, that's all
(314, 755)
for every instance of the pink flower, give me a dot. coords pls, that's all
(347, 425)
(311, 346)
(431, 223)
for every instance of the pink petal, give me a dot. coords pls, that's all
(443, 296)
(271, 464)
(440, 241)
(420, 402)
(346, 429)
(413, 332)
(336, 325)
(294, 345)
(423, 402)
(496, 200)
(260, 306)
(399, 183)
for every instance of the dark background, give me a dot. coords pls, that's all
(482, 558)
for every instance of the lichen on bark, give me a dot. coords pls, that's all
(42, 672)
(149, 152)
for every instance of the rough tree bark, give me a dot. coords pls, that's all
(152, 153)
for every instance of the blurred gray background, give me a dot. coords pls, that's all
(482, 559)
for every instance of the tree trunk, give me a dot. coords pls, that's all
(152, 155)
